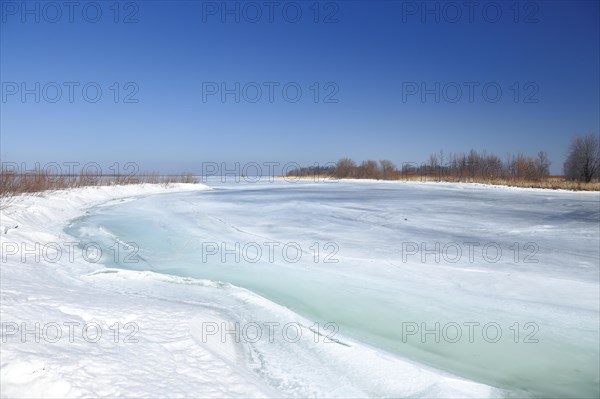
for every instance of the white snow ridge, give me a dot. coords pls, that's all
(165, 362)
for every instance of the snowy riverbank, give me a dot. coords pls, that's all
(55, 303)
(72, 328)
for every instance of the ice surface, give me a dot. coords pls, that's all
(369, 293)
(372, 290)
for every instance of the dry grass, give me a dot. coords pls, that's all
(550, 182)
(12, 183)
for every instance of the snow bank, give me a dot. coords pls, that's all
(51, 316)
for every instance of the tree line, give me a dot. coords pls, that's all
(473, 166)
(582, 165)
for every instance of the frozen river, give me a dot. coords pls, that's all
(498, 286)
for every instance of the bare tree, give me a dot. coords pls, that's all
(543, 164)
(433, 161)
(583, 161)
(442, 157)
(345, 167)
(368, 170)
(387, 169)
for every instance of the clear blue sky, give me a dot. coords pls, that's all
(369, 54)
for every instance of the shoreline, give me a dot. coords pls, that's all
(46, 298)
(87, 293)
(517, 185)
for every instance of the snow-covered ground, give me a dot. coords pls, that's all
(60, 298)
(362, 268)
(72, 327)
